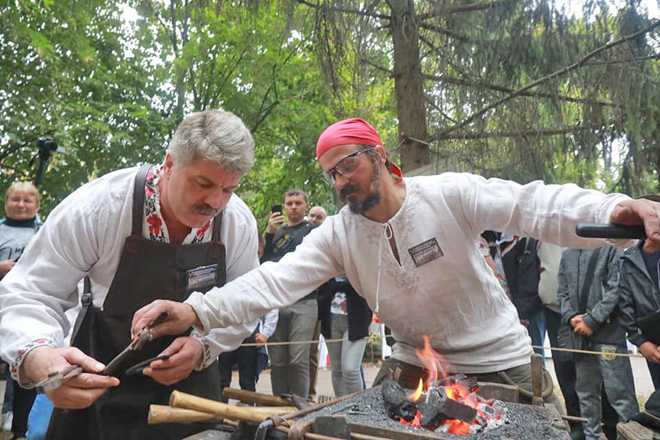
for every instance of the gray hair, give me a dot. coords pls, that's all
(216, 136)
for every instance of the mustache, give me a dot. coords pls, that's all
(347, 191)
(206, 210)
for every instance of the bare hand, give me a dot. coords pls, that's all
(275, 221)
(6, 266)
(650, 351)
(525, 322)
(77, 393)
(260, 339)
(640, 211)
(185, 354)
(583, 329)
(181, 317)
(575, 320)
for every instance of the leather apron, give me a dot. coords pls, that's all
(148, 270)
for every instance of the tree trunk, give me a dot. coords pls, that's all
(408, 85)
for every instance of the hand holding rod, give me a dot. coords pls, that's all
(610, 230)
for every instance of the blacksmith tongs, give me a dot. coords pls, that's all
(56, 380)
(140, 340)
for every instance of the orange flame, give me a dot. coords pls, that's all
(457, 427)
(418, 392)
(431, 360)
(434, 363)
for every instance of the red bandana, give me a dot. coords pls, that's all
(346, 132)
(352, 131)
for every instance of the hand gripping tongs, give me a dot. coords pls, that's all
(57, 379)
(143, 337)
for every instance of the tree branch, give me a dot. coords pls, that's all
(630, 60)
(517, 134)
(520, 91)
(445, 31)
(348, 11)
(12, 149)
(458, 9)
(495, 87)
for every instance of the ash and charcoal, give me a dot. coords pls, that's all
(522, 421)
(396, 401)
(434, 409)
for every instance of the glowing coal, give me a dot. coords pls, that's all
(445, 403)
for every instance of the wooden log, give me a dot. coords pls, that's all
(537, 379)
(243, 413)
(252, 397)
(634, 431)
(166, 414)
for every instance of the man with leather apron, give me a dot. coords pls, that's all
(174, 215)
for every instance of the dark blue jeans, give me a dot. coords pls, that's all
(246, 358)
(536, 329)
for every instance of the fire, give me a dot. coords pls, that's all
(432, 361)
(459, 391)
(414, 397)
(415, 422)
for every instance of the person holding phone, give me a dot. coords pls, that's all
(290, 363)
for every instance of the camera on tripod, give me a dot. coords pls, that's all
(46, 146)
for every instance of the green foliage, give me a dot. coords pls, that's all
(111, 80)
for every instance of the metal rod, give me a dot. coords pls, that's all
(356, 436)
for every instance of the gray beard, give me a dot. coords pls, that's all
(372, 199)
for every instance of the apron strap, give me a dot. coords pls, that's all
(138, 198)
(217, 226)
(215, 237)
(86, 301)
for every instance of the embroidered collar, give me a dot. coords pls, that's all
(155, 224)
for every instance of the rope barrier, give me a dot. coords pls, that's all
(597, 353)
(331, 341)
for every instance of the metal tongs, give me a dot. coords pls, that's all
(143, 337)
(56, 380)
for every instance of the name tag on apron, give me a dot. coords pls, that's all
(425, 252)
(201, 277)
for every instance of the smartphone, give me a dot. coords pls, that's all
(276, 208)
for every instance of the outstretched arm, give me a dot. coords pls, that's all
(640, 211)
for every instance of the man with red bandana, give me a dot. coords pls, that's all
(408, 246)
(138, 234)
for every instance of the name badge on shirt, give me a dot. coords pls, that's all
(201, 277)
(425, 252)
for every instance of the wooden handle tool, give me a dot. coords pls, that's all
(252, 397)
(242, 413)
(166, 414)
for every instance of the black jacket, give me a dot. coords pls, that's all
(639, 295)
(359, 313)
(285, 240)
(522, 270)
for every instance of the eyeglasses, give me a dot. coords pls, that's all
(345, 166)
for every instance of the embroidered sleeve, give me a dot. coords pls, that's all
(16, 364)
(206, 359)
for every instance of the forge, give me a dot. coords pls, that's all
(366, 414)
